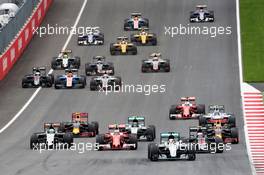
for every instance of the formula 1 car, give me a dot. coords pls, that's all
(38, 78)
(99, 67)
(144, 38)
(136, 22)
(123, 47)
(136, 125)
(70, 79)
(187, 109)
(105, 82)
(155, 64)
(170, 147)
(51, 138)
(225, 132)
(216, 113)
(116, 139)
(201, 14)
(79, 126)
(65, 61)
(203, 143)
(91, 38)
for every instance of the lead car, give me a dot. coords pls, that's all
(171, 147)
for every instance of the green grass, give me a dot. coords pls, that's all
(252, 32)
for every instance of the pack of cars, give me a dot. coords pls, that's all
(215, 128)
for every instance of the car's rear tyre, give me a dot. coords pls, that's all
(96, 127)
(33, 141)
(133, 140)
(153, 152)
(202, 121)
(191, 157)
(234, 134)
(151, 133)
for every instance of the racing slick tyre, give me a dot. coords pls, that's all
(93, 85)
(49, 81)
(57, 83)
(118, 83)
(61, 127)
(77, 62)
(154, 42)
(54, 63)
(96, 127)
(113, 71)
(167, 66)
(24, 83)
(202, 121)
(100, 140)
(91, 128)
(112, 49)
(68, 139)
(201, 109)
(88, 69)
(191, 157)
(234, 134)
(133, 140)
(144, 68)
(83, 81)
(33, 141)
(153, 152)
(134, 51)
(151, 133)
(232, 120)
(219, 145)
(173, 110)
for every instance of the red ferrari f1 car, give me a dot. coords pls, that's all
(116, 139)
(188, 109)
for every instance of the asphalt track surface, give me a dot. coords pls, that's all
(201, 66)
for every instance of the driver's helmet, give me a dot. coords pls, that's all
(65, 55)
(70, 74)
(105, 76)
(200, 135)
(51, 131)
(187, 103)
(135, 17)
(171, 139)
(37, 73)
(135, 123)
(76, 124)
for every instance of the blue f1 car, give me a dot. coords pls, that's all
(70, 79)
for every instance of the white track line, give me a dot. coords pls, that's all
(51, 70)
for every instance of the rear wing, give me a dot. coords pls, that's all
(122, 38)
(188, 98)
(42, 69)
(80, 117)
(168, 134)
(138, 118)
(197, 128)
(71, 70)
(120, 127)
(51, 125)
(201, 6)
(217, 108)
(155, 55)
(99, 58)
(136, 14)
